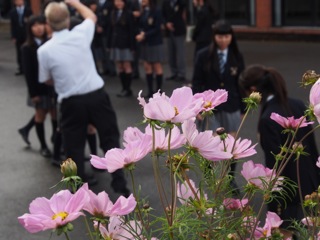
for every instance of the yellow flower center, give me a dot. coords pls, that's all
(207, 104)
(62, 215)
(176, 111)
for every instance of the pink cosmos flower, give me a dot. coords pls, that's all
(310, 221)
(235, 204)
(314, 99)
(184, 193)
(204, 142)
(100, 205)
(290, 122)
(161, 139)
(212, 99)
(272, 221)
(132, 134)
(258, 175)
(176, 109)
(318, 162)
(63, 207)
(118, 229)
(117, 158)
(241, 149)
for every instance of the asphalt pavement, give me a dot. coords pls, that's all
(25, 174)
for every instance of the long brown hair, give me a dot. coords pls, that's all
(30, 37)
(267, 81)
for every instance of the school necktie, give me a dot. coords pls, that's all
(221, 62)
(20, 15)
(118, 15)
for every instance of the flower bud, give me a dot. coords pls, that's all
(69, 168)
(220, 131)
(255, 97)
(309, 78)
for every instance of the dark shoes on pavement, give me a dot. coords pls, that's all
(125, 93)
(25, 135)
(45, 152)
(176, 78)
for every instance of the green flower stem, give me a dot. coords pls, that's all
(173, 182)
(98, 231)
(186, 178)
(293, 151)
(136, 197)
(88, 228)
(299, 184)
(157, 175)
(240, 127)
(67, 237)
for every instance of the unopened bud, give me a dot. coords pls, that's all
(220, 131)
(309, 77)
(298, 147)
(69, 168)
(255, 97)
(146, 206)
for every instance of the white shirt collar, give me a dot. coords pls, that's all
(269, 98)
(38, 41)
(224, 52)
(63, 32)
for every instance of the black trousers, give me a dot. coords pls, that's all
(76, 113)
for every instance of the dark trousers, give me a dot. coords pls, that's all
(18, 52)
(76, 113)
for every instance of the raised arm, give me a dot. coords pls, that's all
(82, 9)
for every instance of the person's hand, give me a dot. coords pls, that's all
(71, 2)
(169, 26)
(35, 99)
(99, 29)
(14, 40)
(136, 14)
(140, 37)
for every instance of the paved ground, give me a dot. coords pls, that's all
(25, 175)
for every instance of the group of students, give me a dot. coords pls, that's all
(218, 64)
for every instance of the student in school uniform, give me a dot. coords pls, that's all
(41, 95)
(122, 44)
(272, 86)
(103, 13)
(18, 18)
(219, 66)
(151, 45)
(206, 16)
(174, 14)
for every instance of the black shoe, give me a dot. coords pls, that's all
(91, 180)
(25, 135)
(18, 73)
(56, 162)
(172, 78)
(45, 152)
(125, 93)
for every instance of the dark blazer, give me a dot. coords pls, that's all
(174, 14)
(271, 139)
(150, 23)
(18, 31)
(202, 33)
(121, 33)
(207, 76)
(103, 14)
(30, 67)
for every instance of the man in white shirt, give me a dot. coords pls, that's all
(66, 61)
